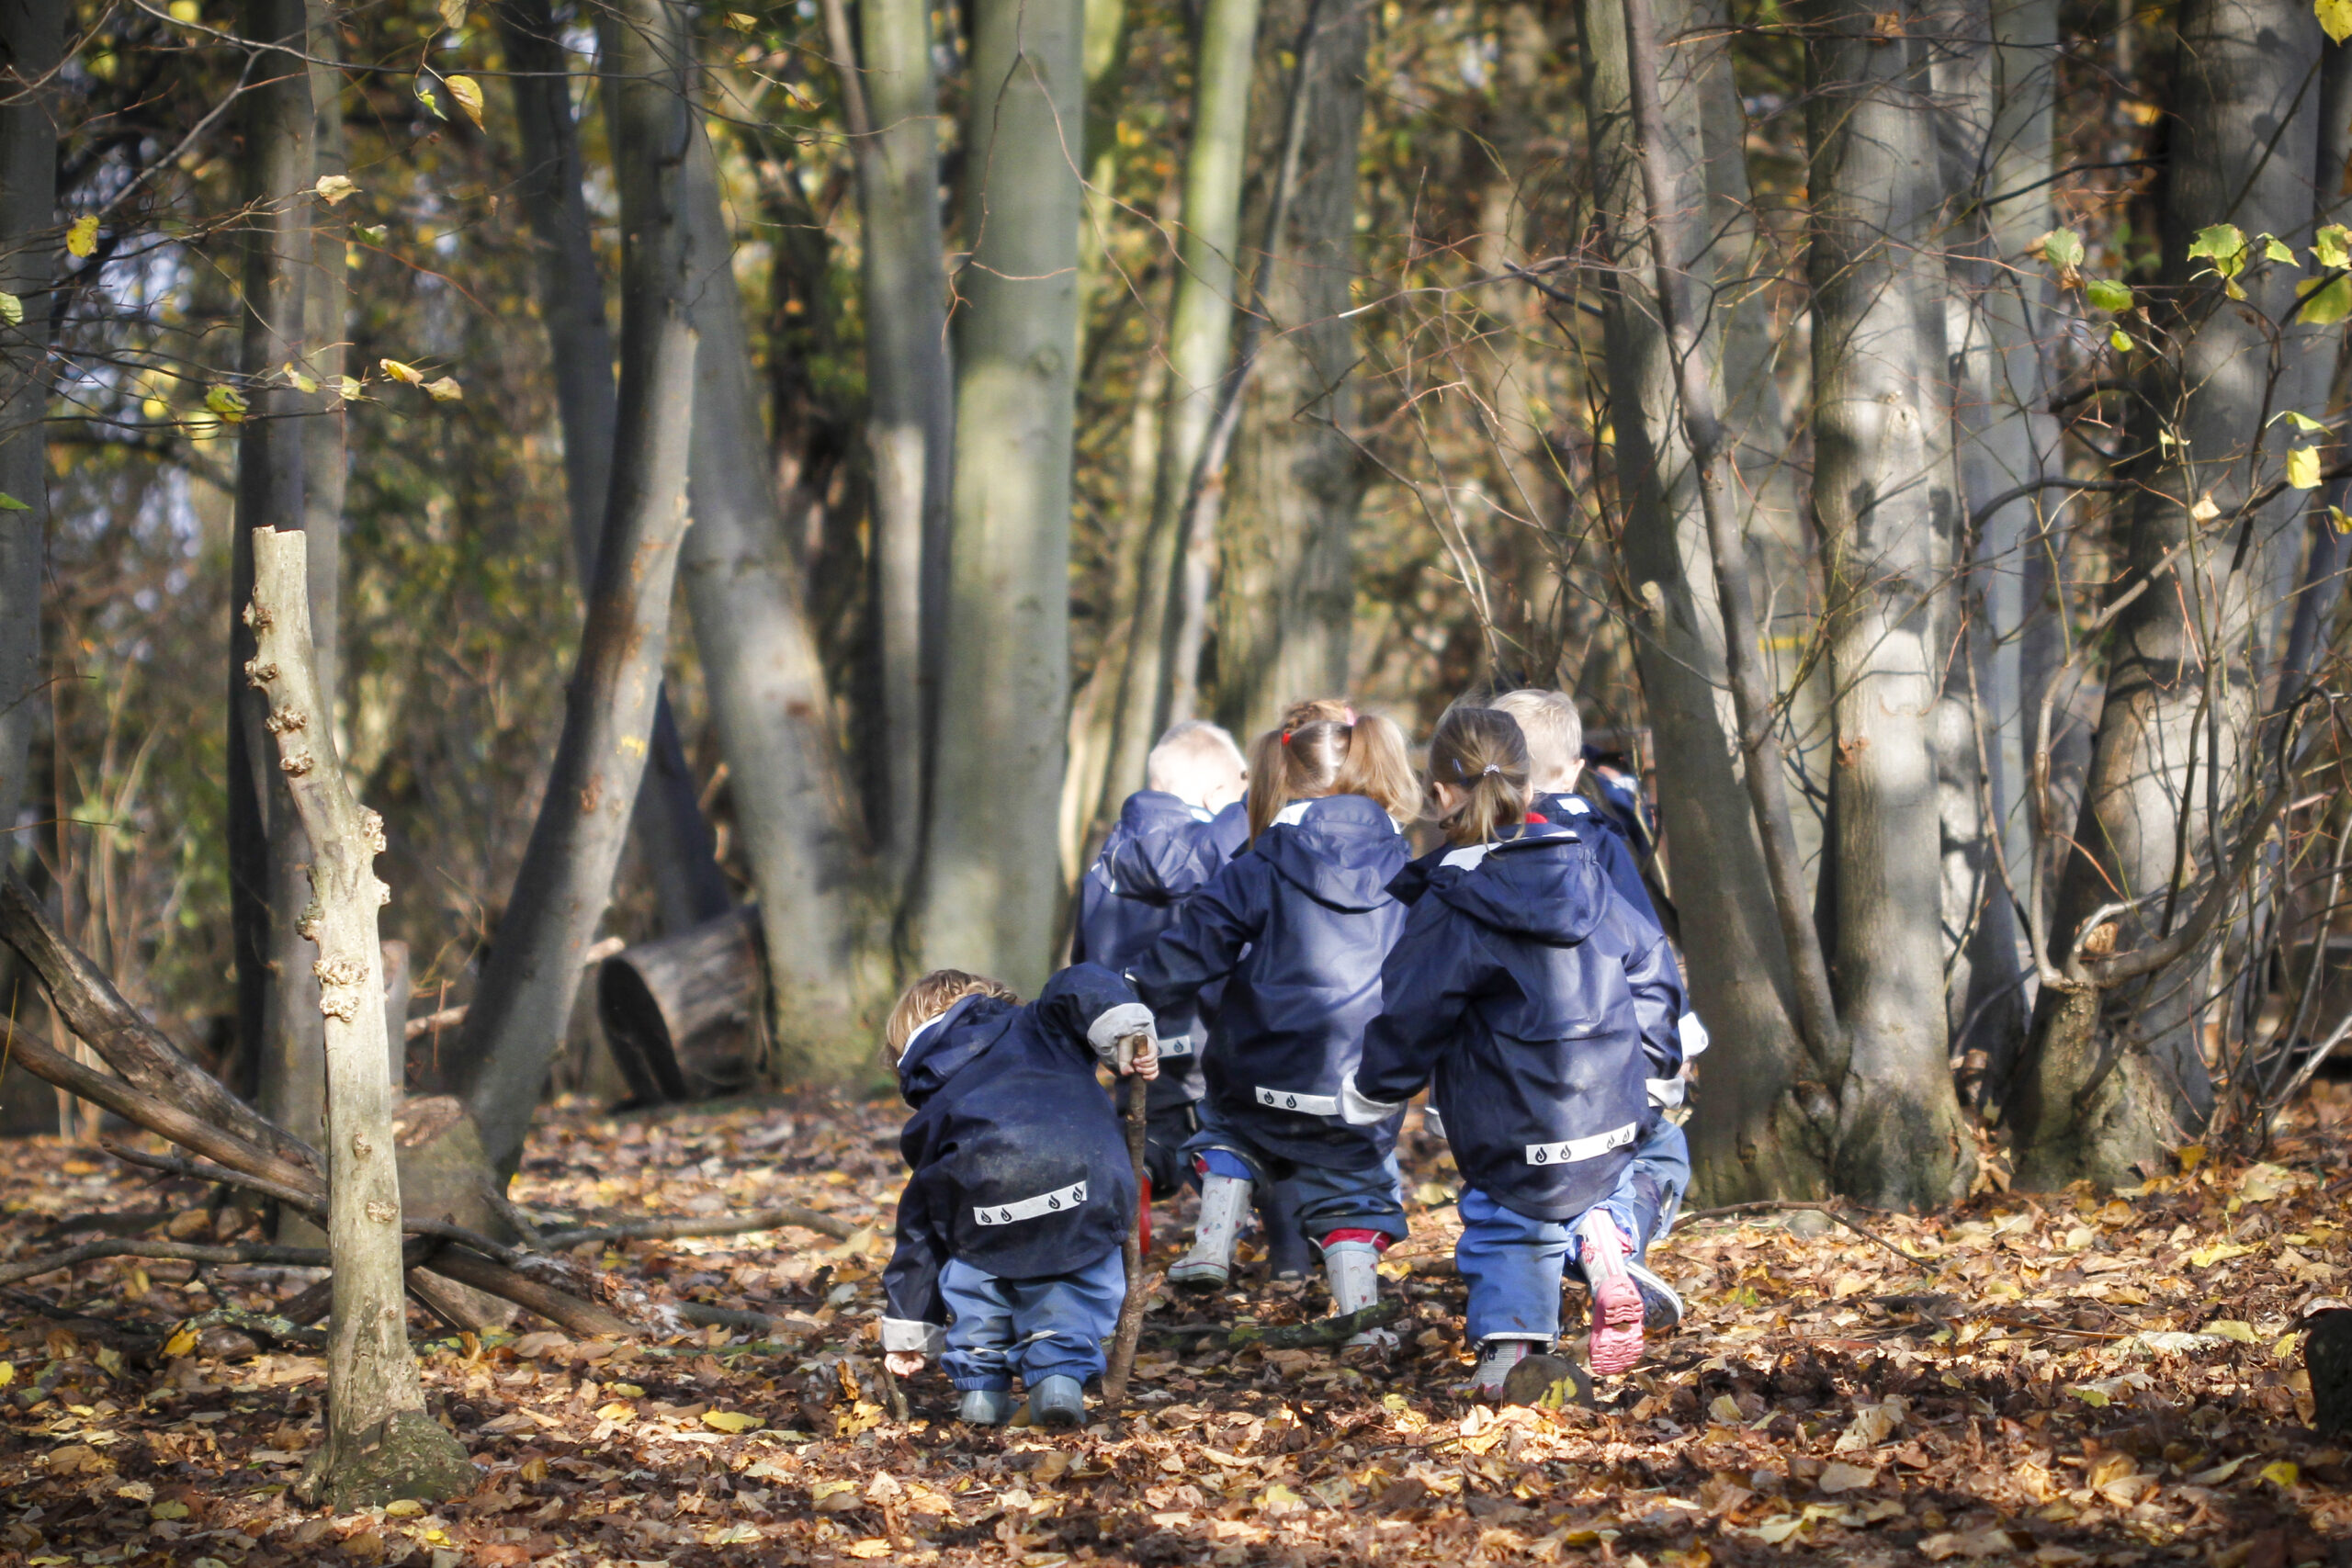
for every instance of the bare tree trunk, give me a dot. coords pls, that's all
(909, 425)
(2110, 1081)
(31, 42)
(768, 699)
(1108, 30)
(277, 1019)
(991, 882)
(380, 1444)
(1286, 595)
(674, 837)
(1764, 1120)
(518, 1013)
(327, 310)
(1887, 508)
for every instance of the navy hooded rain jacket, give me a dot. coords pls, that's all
(1300, 920)
(1020, 1167)
(1540, 1002)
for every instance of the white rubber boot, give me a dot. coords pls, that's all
(1495, 1358)
(1353, 1269)
(1224, 1199)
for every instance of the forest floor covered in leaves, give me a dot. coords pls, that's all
(2056, 1381)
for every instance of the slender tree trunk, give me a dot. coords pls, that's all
(1108, 29)
(518, 1013)
(1764, 1120)
(1887, 509)
(380, 1443)
(31, 40)
(910, 408)
(676, 840)
(1287, 580)
(768, 700)
(2110, 1081)
(277, 1019)
(326, 310)
(991, 880)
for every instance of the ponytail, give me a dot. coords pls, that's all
(1481, 751)
(1325, 747)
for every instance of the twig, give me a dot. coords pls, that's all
(717, 1224)
(898, 1400)
(1778, 1205)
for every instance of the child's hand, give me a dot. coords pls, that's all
(1138, 1056)
(903, 1363)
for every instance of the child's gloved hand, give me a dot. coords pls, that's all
(903, 1363)
(1140, 1055)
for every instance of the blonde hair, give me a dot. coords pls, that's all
(1482, 752)
(1188, 751)
(1325, 747)
(1553, 732)
(926, 1000)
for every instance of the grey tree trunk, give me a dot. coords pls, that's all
(380, 1443)
(768, 700)
(1887, 508)
(31, 40)
(1756, 1131)
(1286, 586)
(2111, 1080)
(277, 1017)
(991, 882)
(674, 838)
(519, 1010)
(326, 313)
(910, 408)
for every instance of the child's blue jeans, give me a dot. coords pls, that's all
(1040, 1329)
(1514, 1265)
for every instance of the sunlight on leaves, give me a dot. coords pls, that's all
(468, 91)
(2334, 18)
(2302, 472)
(336, 189)
(83, 237)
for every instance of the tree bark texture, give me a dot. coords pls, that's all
(1286, 576)
(910, 391)
(31, 40)
(520, 1009)
(991, 874)
(674, 838)
(2111, 1082)
(761, 668)
(326, 314)
(277, 1017)
(1887, 508)
(380, 1444)
(1760, 1126)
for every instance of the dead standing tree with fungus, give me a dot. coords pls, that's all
(380, 1443)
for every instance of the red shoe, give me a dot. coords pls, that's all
(1616, 1301)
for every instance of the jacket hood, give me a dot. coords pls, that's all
(949, 1043)
(1157, 851)
(1540, 882)
(1341, 849)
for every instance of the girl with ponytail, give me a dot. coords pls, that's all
(1539, 1004)
(1296, 925)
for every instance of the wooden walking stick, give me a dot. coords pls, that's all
(1123, 1343)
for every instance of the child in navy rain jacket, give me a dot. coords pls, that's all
(1660, 1172)
(1171, 838)
(1525, 985)
(1300, 921)
(1011, 1226)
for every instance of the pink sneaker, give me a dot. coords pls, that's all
(1616, 1300)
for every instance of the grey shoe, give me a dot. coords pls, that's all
(1661, 1307)
(985, 1406)
(1059, 1405)
(1496, 1359)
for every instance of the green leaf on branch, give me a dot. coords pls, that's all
(2106, 294)
(10, 504)
(228, 402)
(2325, 301)
(2225, 245)
(2301, 421)
(2339, 520)
(2119, 340)
(2332, 246)
(12, 309)
(2302, 468)
(2278, 250)
(2063, 248)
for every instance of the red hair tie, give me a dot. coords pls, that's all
(1285, 737)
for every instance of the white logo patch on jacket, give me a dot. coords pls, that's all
(1304, 1104)
(1575, 1149)
(1053, 1203)
(1175, 1045)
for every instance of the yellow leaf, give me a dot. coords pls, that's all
(179, 1344)
(347, 389)
(616, 1412)
(731, 1421)
(83, 237)
(2094, 1397)
(403, 1508)
(2302, 472)
(399, 372)
(336, 189)
(226, 401)
(625, 1391)
(301, 382)
(174, 1509)
(2334, 18)
(2206, 1256)
(1776, 1530)
(452, 14)
(468, 91)
(2282, 1474)
(1725, 1412)
(12, 309)
(872, 1546)
(1838, 1476)
(2230, 1328)
(2190, 1157)
(445, 390)
(184, 10)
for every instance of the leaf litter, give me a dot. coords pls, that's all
(2070, 1379)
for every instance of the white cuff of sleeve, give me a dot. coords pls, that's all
(1665, 1093)
(908, 1334)
(1358, 1110)
(1694, 1036)
(1107, 1031)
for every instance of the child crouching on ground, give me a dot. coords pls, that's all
(1011, 1226)
(1540, 1004)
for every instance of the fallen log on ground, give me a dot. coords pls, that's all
(683, 1015)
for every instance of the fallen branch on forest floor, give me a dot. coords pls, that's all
(1284, 1337)
(180, 1251)
(717, 1224)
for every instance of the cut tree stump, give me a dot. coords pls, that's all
(684, 1015)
